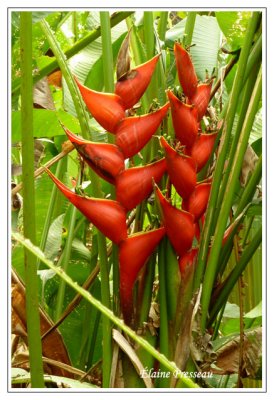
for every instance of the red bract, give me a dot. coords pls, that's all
(107, 215)
(135, 184)
(179, 224)
(202, 149)
(105, 159)
(186, 262)
(186, 71)
(184, 118)
(196, 204)
(133, 133)
(132, 86)
(181, 170)
(133, 254)
(201, 99)
(106, 108)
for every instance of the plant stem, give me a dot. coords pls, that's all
(234, 275)
(115, 19)
(238, 157)
(189, 28)
(162, 25)
(32, 303)
(228, 124)
(107, 51)
(104, 310)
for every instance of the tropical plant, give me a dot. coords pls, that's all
(136, 243)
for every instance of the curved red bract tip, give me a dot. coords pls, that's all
(133, 85)
(181, 170)
(202, 149)
(186, 72)
(106, 108)
(179, 224)
(107, 215)
(133, 254)
(135, 184)
(196, 204)
(133, 133)
(184, 118)
(105, 159)
(201, 98)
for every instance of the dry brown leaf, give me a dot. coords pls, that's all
(52, 346)
(123, 58)
(228, 355)
(249, 164)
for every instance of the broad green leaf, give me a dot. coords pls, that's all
(255, 312)
(233, 25)
(231, 311)
(45, 123)
(206, 40)
(54, 239)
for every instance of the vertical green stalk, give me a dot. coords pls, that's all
(162, 25)
(104, 271)
(238, 157)
(189, 28)
(228, 124)
(32, 304)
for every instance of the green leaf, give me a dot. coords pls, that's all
(54, 239)
(255, 312)
(45, 123)
(206, 38)
(231, 311)
(233, 25)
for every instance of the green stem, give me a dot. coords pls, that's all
(189, 28)
(228, 124)
(115, 19)
(32, 303)
(105, 311)
(149, 33)
(162, 25)
(107, 51)
(50, 208)
(65, 262)
(234, 275)
(73, 89)
(244, 106)
(238, 157)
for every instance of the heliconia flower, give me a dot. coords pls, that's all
(106, 108)
(201, 98)
(179, 224)
(196, 204)
(181, 170)
(186, 72)
(184, 118)
(107, 215)
(133, 133)
(105, 159)
(133, 254)
(202, 149)
(135, 184)
(132, 86)
(187, 261)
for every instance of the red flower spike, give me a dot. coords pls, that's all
(179, 224)
(201, 99)
(184, 118)
(202, 149)
(106, 108)
(133, 254)
(181, 170)
(196, 204)
(133, 133)
(187, 261)
(132, 86)
(135, 184)
(104, 158)
(107, 215)
(186, 72)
